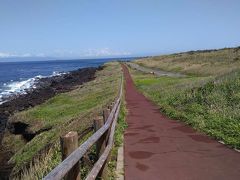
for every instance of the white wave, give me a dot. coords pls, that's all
(17, 87)
(55, 73)
(1, 102)
(20, 87)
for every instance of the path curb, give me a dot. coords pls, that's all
(119, 169)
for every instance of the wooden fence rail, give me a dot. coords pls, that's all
(108, 128)
(99, 164)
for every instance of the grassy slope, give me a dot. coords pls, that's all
(209, 103)
(197, 63)
(64, 112)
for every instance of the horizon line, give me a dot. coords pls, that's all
(49, 58)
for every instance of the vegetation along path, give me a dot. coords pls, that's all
(155, 71)
(156, 147)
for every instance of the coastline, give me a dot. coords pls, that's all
(70, 111)
(44, 89)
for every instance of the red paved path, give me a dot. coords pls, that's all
(156, 147)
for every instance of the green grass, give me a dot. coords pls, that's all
(71, 111)
(201, 63)
(121, 126)
(208, 104)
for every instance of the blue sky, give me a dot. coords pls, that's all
(112, 28)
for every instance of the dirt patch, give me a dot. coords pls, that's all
(5, 168)
(20, 128)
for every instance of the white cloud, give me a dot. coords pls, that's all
(104, 52)
(15, 55)
(101, 52)
(40, 55)
(63, 53)
(26, 55)
(4, 55)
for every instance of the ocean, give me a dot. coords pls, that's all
(17, 77)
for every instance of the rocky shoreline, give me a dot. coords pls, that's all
(45, 88)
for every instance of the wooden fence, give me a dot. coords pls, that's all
(103, 138)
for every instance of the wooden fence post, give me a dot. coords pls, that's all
(104, 171)
(106, 113)
(111, 106)
(69, 143)
(100, 144)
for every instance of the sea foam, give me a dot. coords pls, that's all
(20, 87)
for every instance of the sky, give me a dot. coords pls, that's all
(115, 28)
